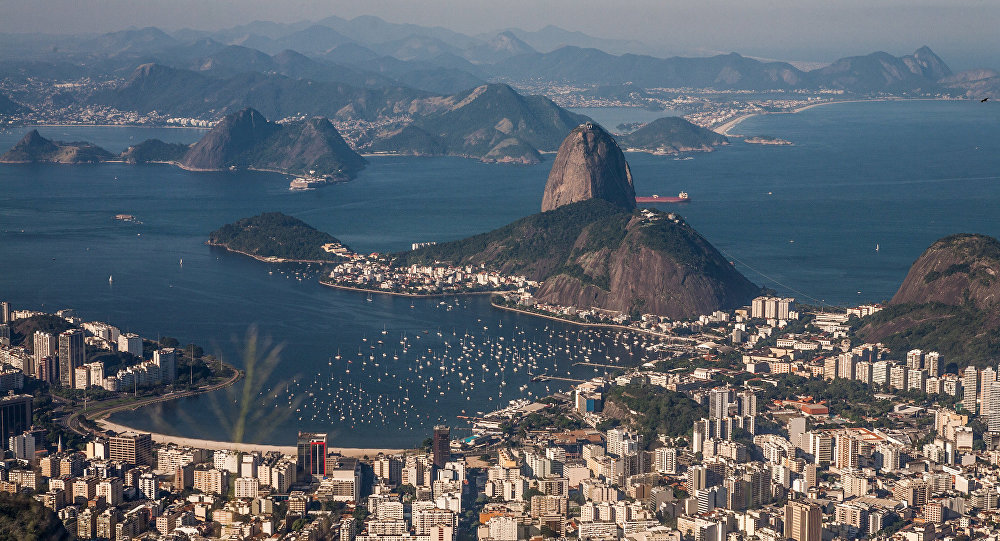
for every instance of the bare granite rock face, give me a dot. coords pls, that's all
(661, 266)
(589, 165)
(960, 270)
(949, 302)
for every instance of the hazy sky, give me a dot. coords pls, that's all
(964, 32)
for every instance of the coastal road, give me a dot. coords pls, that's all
(100, 410)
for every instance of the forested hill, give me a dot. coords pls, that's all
(275, 235)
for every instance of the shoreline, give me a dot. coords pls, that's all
(401, 294)
(63, 125)
(215, 445)
(269, 259)
(102, 421)
(609, 326)
(724, 128)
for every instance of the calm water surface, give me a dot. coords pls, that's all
(804, 220)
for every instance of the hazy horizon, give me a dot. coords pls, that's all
(962, 32)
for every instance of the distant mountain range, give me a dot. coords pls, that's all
(424, 90)
(369, 52)
(154, 87)
(878, 71)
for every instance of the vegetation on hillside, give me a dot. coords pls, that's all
(274, 234)
(671, 134)
(536, 245)
(154, 150)
(24, 519)
(660, 411)
(306, 146)
(502, 112)
(247, 139)
(23, 330)
(963, 334)
(682, 244)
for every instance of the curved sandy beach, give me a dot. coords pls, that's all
(243, 447)
(723, 129)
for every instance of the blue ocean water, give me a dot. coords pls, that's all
(611, 117)
(804, 220)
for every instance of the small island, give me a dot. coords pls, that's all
(275, 237)
(33, 148)
(766, 140)
(671, 135)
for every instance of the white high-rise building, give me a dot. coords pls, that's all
(821, 447)
(247, 487)
(718, 403)
(993, 416)
(897, 377)
(46, 345)
(96, 373)
(166, 359)
(970, 389)
(130, 343)
(666, 460)
(771, 307)
(916, 380)
(148, 486)
(932, 363)
(986, 377)
(846, 364)
(23, 446)
(880, 373)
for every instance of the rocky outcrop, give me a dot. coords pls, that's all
(949, 302)
(247, 140)
(229, 141)
(977, 83)
(956, 270)
(589, 165)
(33, 148)
(661, 266)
